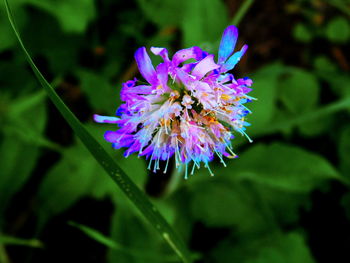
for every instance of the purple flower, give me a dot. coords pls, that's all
(189, 108)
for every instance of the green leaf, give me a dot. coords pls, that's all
(324, 65)
(73, 16)
(108, 163)
(62, 51)
(344, 151)
(331, 108)
(243, 9)
(74, 177)
(9, 240)
(17, 161)
(272, 248)
(290, 248)
(283, 206)
(161, 12)
(284, 167)
(316, 126)
(96, 235)
(108, 242)
(264, 89)
(302, 33)
(139, 237)
(340, 84)
(18, 153)
(221, 203)
(7, 40)
(299, 91)
(204, 21)
(338, 30)
(98, 91)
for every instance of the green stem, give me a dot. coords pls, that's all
(175, 179)
(241, 12)
(178, 173)
(329, 109)
(3, 255)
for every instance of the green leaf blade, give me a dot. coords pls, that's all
(105, 160)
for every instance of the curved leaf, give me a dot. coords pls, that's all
(107, 162)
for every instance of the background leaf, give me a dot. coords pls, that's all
(285, 167)
(338, 30)
(73, 16)
(18, 154)
(299, 91)
(265, 90)
(97, 90)
(157, 11)
(290, 247)
(77, 175)
(198, 26)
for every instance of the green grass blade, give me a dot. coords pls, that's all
(107, 162)
(9, 240)
(243, 9)
(137, 253)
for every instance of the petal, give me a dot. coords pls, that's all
(122, 109)
(188, 53)
(188, 67)
(162, 70)
(185, 78)
(118, 137)
(225, 78)
(145, 66)
(204, 66)
(147, 151)
(234, 59)
(135, 147)
(227, 44)
(245, 81)
(127, 93)
(160, 51)
(105, 119)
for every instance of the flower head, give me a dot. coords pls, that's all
(189, 108)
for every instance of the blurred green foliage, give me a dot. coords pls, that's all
(300, 127)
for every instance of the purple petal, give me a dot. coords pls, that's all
(185, 78)
(227, 44)
(245, 81)
(160, 51)
(148, 151)
(122, 109)
(145, 66)
(105, 119)
(188, 53)
(225, 78)
(117, 136)
(188, 67)
(162, 70)
(135, 147)
(234, 59)
(130, 92)
(204, 66)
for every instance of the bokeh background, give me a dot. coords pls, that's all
(285, 199)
